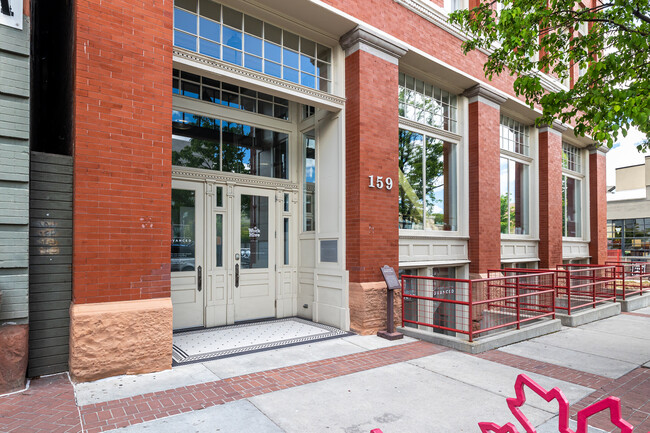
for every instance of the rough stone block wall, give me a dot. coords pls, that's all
(122, 153)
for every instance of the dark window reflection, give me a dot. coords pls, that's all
(254, 241)
(199, 142)
(183, 231)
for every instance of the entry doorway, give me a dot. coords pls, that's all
(223, 259)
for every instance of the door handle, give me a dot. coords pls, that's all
(199, 282)
(237, 275)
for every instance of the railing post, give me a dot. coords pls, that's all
(593, 290)
(518, 302)
(553, 293)
(471, 321)
(403, 288)
(567, 281)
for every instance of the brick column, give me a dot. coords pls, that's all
(597, 205)
(121, 316)
(550, 196)
(484, 196)
(371, 83)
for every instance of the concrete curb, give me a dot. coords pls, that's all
(486, 343)
(590, 315)
(635, 303)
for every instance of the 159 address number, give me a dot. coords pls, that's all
(380, 182)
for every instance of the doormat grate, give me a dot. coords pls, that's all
(214, 343)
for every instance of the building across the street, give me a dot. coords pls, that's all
(198, 163)
(628, 212)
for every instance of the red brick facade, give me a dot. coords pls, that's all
(597, 207)
(484, 204)
(371, 150)
(122, 152)
(550, 198)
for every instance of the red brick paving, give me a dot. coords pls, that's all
(48, 406)
(120, 413)
(637, 314)
(578, 377)
(634, 391)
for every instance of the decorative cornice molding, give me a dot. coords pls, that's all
(220, 176)
(362, 38)
(219, 66)
(440, 18)
(556, 126)
(594, 148)
(483, 94)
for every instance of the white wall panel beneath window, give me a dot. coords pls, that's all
(331, 299)
(575, 249)
(516, 250)
(432, 250)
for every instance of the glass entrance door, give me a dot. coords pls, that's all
(187, 254)
(254, 254)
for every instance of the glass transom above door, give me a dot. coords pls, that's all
(213, 144)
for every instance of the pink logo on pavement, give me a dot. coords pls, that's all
(612, 404)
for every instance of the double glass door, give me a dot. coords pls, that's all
(223, 256)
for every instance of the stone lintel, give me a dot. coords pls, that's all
(556, 127)
(598, 148)
(480, 93)
(362, 38)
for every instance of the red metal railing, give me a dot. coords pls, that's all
(475, 307)
(631, 278)
(576, 288)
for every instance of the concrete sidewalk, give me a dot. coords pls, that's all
(355, 384)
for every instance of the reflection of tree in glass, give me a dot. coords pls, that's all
(434, 150)
(507, 215)
(234, 147)
(202, 152)
(412, 184)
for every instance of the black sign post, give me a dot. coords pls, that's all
(392, 284)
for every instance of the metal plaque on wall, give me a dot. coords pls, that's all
(11, 13)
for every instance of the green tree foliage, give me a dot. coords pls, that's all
(613, 93)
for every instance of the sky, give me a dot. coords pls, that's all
(624, 154)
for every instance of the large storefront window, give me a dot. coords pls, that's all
(571, 209)
(217, 31)
(514, 174)
(213, 144)
(427, 182)
(514, 197)
(571, 191)
(631, 236)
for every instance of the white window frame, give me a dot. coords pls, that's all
(578, 175)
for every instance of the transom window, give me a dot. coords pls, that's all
(228, 95)
(514, 136)
(217, 31)
(427, 104)
(571, 158)
(213, 144)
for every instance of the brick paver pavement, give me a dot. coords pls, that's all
(49, 406)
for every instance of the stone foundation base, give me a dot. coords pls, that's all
(113, 338)
(368, 307)
(14, 340)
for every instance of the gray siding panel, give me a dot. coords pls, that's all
(50, 251)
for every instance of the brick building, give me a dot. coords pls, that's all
(235, 161)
